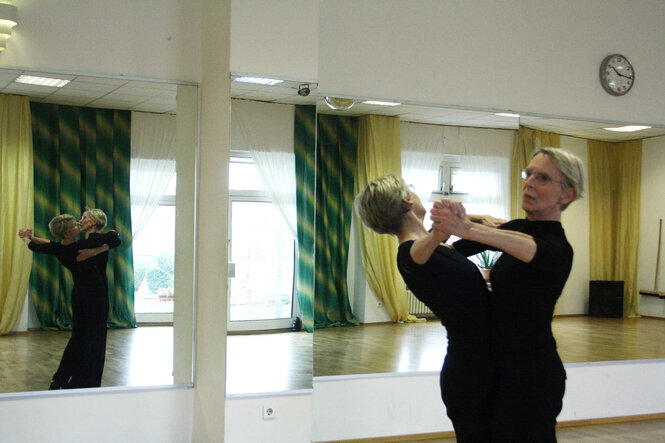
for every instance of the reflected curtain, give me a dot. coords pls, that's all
(337, 142)
(615, 171)
(16, 206)
(379, 153)
(266, 130)
(422, 154)
(304, 147)
(81, 158)
(152, 164)
(527, 141)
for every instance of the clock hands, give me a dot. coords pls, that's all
(620, 74)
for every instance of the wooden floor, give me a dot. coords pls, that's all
(285, 361)
(388, 347)
(134, 357)
(647, 431)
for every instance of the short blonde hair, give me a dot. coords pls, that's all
(570, 166)
(61, 224)
(99, 217)
(381, 204)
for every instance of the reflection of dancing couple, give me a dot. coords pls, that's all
(502, 379)
(82, 362)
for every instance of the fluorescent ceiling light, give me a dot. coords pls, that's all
(42, 81)
(507, 114)
(379, 103)
(629, 128)
(258, 80)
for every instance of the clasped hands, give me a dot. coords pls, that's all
(450, 216)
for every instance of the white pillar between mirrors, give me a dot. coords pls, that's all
(211, 254)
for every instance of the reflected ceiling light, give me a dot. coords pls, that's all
(379, 103)
(507, 114)
(8, 17)
(339, 104)
(41, 81)
(258, 80)
(629, 128)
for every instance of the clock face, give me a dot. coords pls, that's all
(616, 74)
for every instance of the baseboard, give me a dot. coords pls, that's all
(562, 424)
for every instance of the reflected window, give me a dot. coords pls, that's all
(261, 251)
(154, 254)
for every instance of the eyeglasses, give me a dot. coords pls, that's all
(541, 179)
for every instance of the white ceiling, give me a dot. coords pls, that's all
(160, 97)
(287, 92)
(99, 92)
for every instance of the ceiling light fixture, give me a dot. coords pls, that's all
(339, 104)
(379, 103)
(507, 114)
(8, 17)
(629, 128)
(258, 80)
(41, 81)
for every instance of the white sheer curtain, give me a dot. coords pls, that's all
(152, 164)
(266, 131)
(422, 153)
(487, 169)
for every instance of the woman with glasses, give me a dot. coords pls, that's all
(528, 375)
(451, 286)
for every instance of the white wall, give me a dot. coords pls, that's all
(291, 422)
(157, 39)
(537, 56)
(275, 38)
(652, 209)
(110, 415)
(406, 404)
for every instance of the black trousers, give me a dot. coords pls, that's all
(527, 397)
(465, 390)
(82, 362)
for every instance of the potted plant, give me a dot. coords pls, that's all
(485, 261)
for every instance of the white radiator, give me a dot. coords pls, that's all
(416, 307)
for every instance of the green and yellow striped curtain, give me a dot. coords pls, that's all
(81, 158)
(337, 142)
(16, 206)
(615, 171)
(305, 156)
(527, 141)
(380, 153)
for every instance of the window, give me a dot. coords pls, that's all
(261, 253)
(153, 253)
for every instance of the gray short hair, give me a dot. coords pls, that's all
(381, 205)
(99, 217)
(61, 224)
(570, 166)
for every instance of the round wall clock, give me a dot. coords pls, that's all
(616, 74)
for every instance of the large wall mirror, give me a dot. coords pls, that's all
(467, 153)
(272, 134)
(149, 340)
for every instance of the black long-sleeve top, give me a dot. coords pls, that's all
(455, 291)
(524, 294)
(66, 254)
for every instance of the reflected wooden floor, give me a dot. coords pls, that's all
(268, 362)
(134, 357)
(388, 347)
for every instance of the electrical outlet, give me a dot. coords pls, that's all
(268, 412)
